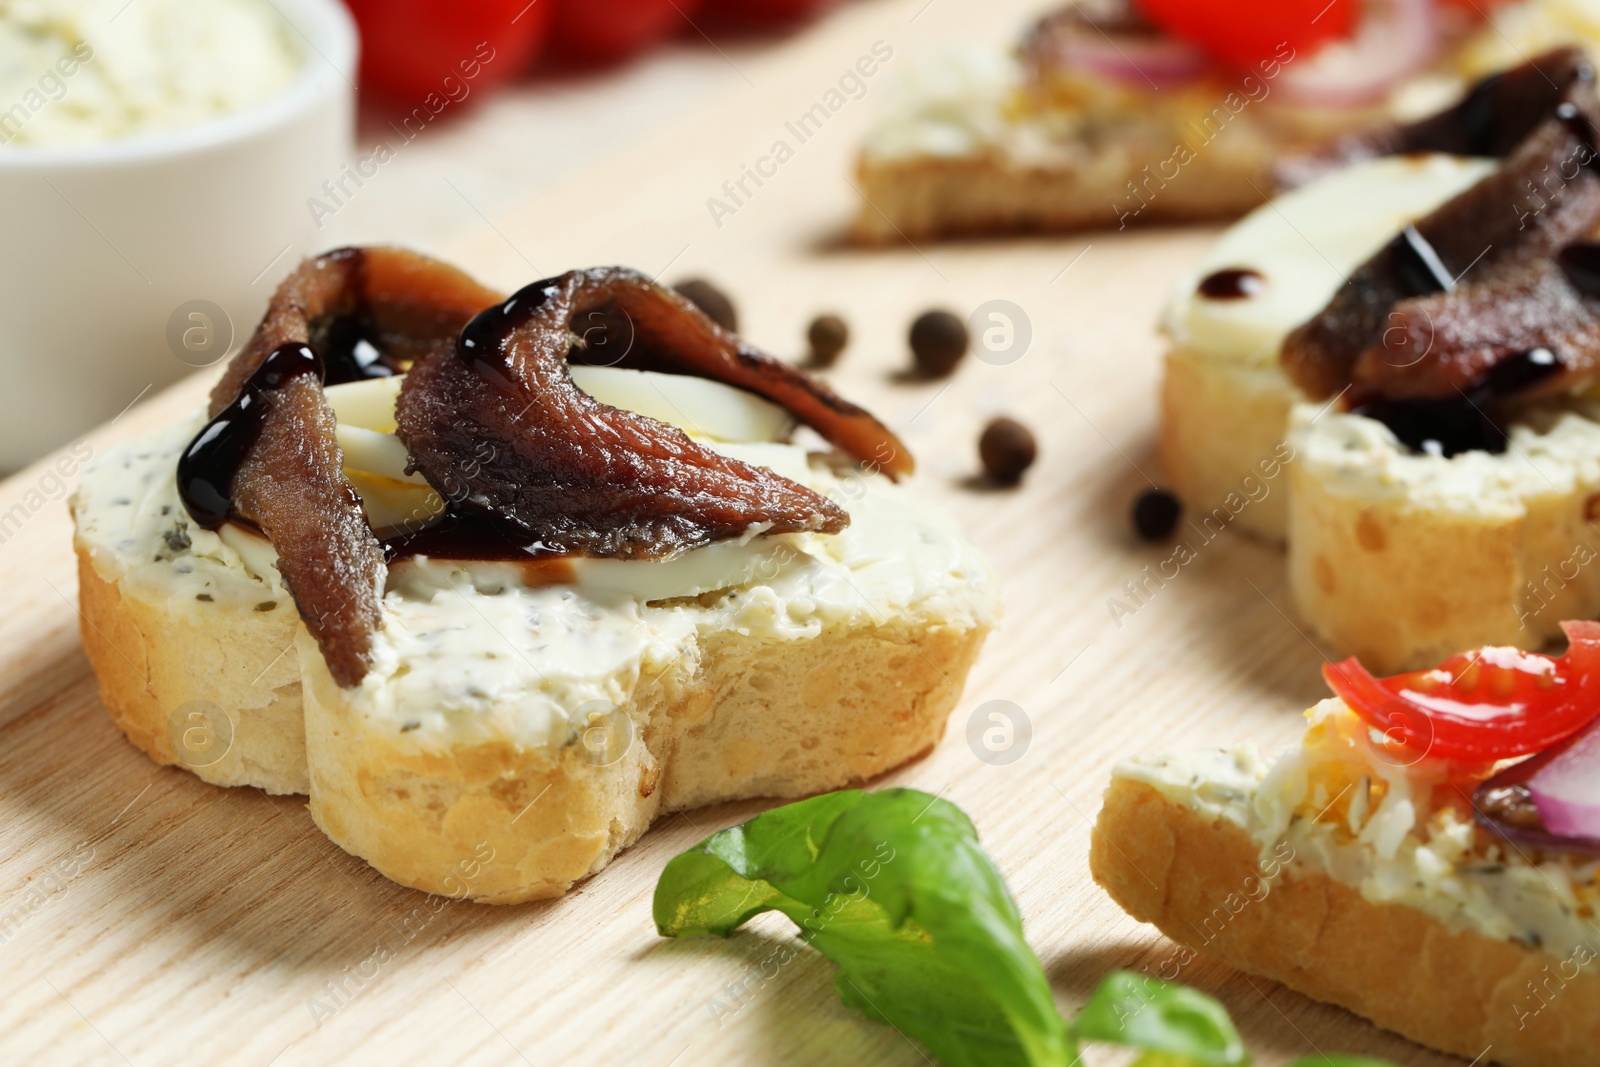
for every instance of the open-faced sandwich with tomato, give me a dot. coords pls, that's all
(1415, 338)
(1122, 112)
(495, 579)
(1427, 856)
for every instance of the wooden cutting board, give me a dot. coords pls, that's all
(147, 918)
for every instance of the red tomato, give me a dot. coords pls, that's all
(1242, 33)
(765, 12)
(607, 31)
(1492, 704)
(410, 47)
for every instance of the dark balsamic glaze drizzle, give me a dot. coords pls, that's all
(351, 349)
(1421, 270)
(1448, 427)
(460, 534)
(349, 341)
(1477, 119)
(1580, 262)
(470, 534)
(1232, 283)
(1511, 376)
(207, 467)
(1463, 424)
(483, 340)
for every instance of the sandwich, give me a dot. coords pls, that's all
(1425, 856)
(1116, 113)
(1390, 368)
(495, 580)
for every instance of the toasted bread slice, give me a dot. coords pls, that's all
(734, 717)
(1404, 558)
(1223, 443)
(514, 736)
(1191, 877)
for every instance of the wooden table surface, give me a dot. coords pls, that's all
(151, 919)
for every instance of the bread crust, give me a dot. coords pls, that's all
(1403, 585)
(1220, 422)
(1389, 575)
(1458, 991)
(740, 718)
(157, 668)
(930, 197)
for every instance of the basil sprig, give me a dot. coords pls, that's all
(894, 888)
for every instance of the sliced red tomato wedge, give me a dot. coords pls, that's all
(1242, 33)
(609, 31)
(765, 13)
(413, 48)
(1492, 704)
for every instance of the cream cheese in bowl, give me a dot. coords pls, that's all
(78, 71)
(156, 162)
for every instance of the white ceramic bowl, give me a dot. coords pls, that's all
(117, 253)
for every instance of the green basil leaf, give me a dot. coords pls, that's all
(894, 888)
(1174, 1022)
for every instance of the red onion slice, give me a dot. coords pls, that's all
(1394, 38)
(1566, 790)
(1561, 785)
(1158, 62)
(1505, 806)
(1112, 42)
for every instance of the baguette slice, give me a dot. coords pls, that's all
(1404, 558)
(1459, 992)
(192, 644)
(1320, 913)
(1223, 445)
(733, 718)
(531, 733)
(515, 736)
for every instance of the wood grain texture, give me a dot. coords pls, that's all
(152, 919)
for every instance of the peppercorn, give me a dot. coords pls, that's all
(713, 301)
(1156, 514)
(828, 335)
(1007, 449)
(938, 341)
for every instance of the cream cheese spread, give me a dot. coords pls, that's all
(1552, 451)
(1357, 817)
(469, 650)
(75, 71)
(957, 106)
